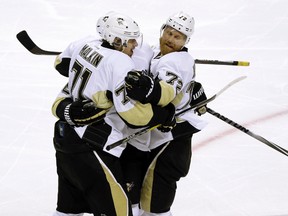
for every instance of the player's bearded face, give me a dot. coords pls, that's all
(171, 40)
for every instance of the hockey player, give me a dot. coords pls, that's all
(172, 68)
(90, 179)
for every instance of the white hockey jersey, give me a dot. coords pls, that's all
(94, 71)
(176, 69)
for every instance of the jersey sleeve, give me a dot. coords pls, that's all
(142, 115)
(62, 100)
(110, 87)
(62, 61)
(172, 70)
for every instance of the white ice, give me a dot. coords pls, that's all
(232, 174)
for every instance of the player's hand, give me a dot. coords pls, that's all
(84, 112)
(139, 86)
(198, 95)
(170, 122)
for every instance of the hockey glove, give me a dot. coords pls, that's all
(96, 135)
(79, 113)
(139, 86)
(170, 122)
(198, 95)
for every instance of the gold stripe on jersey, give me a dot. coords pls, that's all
(94, 117)
(119, 197)
(167, 93)
(177, 99)
(147, 186)
(139, 115)
(101, 100)
(57, 61)
(55, 105)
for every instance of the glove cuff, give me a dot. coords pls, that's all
(154, 95)
(67, 115)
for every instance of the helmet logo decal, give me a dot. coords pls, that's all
(183, 17)
(105, 18)
(120, 21)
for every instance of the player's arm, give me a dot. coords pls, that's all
(145, 89)
(62, 61)
(142, 115)
(198, 95)
(76, 113)
(62, 65)
(136, 114)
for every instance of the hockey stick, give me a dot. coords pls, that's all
(216, 62)
(245, 130)
(28, 43)
(200, 104)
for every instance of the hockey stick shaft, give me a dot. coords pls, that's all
(29, 44)
(200, 104)
(214, 96)
(147, 129)
(217, 62)
(245, 130)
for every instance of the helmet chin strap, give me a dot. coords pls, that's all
(162, 29)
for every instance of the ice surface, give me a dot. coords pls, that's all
(231, 173)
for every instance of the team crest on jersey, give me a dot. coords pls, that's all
(129, 186)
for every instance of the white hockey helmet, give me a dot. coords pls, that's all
(121, 26)
(181, 22)
(101, 23)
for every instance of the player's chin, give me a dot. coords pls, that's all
(130, 53)
(166, 49)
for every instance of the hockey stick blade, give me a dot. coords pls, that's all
(217, 62)
(245, 130)
(28, 43)
(200, 104)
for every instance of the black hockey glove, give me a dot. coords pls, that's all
(96, 135)
(84, 112)
(139, 86)
(198, 95)
(170, 122)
